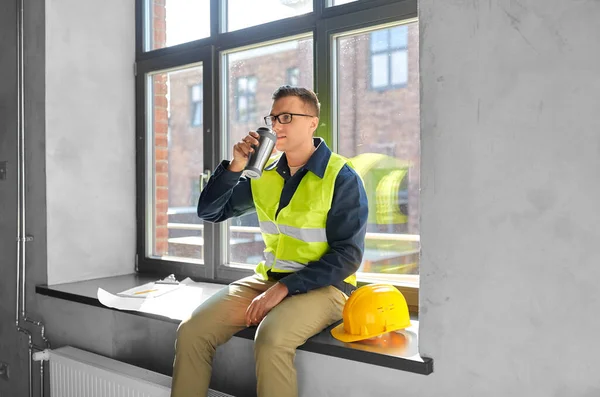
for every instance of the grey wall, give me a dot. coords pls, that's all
(511, 149)
(13, 345)
(511, 153)
(80, 156)
(90, 140)
(10, 350)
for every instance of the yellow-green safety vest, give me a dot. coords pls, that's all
(296, 236)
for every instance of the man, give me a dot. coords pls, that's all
(312, 209)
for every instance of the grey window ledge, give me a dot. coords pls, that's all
(85, 292)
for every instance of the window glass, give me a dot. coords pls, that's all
(379, 131)
(245, 13)
(173, 22)
(196, 109)
(339, 2)
(389, 57)
(293, 75)
(253, 76)
(380, 71)
(176, 160)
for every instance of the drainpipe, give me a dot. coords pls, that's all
(22, 238)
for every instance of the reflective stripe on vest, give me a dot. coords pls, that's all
(307, 235)
(281, 264)
(296, 235)
(268, 227)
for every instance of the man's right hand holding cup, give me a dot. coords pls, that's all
(242, 150)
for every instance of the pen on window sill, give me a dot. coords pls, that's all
(145, 292)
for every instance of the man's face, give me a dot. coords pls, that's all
(295, 134)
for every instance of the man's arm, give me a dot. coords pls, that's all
(346, 229)
(226, 195)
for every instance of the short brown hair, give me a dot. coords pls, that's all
(308, 97)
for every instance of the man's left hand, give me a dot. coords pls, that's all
(263, 303)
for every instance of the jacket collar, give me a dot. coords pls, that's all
(317, 163)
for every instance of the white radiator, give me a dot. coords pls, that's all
(78, 373)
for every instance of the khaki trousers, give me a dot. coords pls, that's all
(287, 326)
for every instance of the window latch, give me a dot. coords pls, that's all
(204, 177)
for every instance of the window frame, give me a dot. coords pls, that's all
(323, 22)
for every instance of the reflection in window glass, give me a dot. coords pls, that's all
(245, 13)
(176, 161)
(259, 71)
(379, 131)
(175, 22)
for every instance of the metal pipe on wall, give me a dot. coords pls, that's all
(22, 238)
(19, 34)
(41, 378)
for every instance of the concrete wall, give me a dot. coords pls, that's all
(90, 141)
(13, 345)
(510, 152)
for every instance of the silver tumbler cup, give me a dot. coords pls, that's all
(262, 152)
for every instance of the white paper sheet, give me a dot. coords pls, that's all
(178, 304)
(149, 290)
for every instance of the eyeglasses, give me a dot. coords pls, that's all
(283, 118)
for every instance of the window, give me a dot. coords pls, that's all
(264, 63)
(379, 132)
(196, 102)
(173, 22)
(389, 58)
(174, 162)
(293, 76)
(363, 65)
(244, 13)
(245, 98)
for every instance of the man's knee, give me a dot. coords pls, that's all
(272, 338)
(193, 332)
(185, 333)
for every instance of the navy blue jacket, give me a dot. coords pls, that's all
(228, 194)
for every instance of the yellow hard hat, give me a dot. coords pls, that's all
(372, 310)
